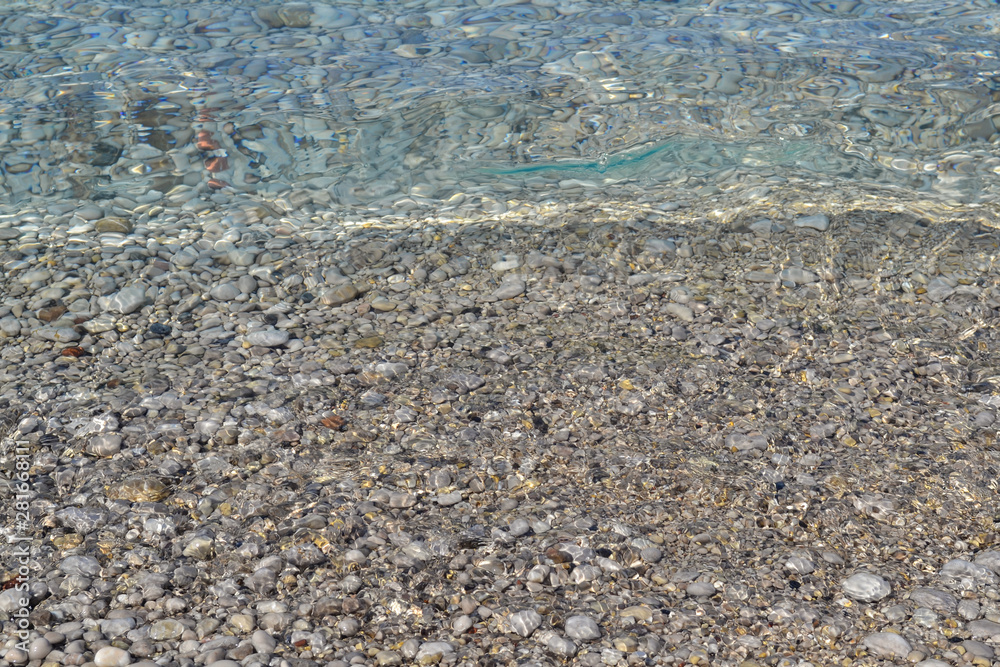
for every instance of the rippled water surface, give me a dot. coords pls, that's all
(426, 103)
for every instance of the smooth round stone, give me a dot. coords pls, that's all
(887, 645)
(582, 628)
(866, 587)
(341, 294)
(509, 289)
(225, 292)
(39, 649)
(462, 624)
(933, 663)
(348, 627)
(701, 589)
(165, 630)
(519, 527)
(16, 656)
(525, 622)
(109, 656)
(225, 663)
(267, 337)
(128, 300)
(818, 222)
(107, 444)
(561, 646)
(799, 565)
(87, 566)
(430, 653)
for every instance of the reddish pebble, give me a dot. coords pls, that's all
(216, 164)
(205, 142)
(217, 184)
(335, 422)
(73, 352)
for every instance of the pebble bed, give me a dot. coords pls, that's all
(620, 434)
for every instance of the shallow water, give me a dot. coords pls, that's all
(378, 103)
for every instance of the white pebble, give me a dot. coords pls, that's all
(525, 622)
(109, 656)
(866, 587)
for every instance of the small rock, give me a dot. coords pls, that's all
(525, 622)
(432, 652)
(887, 645)
(267, 337)
(128, 300)
(561, 646)
(109, 656)
(582, 628)
(119, 225)
(866, 587)
(510, 288)
(341, 294)
(818, 222)
(348, 627)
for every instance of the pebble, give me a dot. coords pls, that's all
(511, 287)
(525, 622)
(866, 587)
(110, 656)
(268, 337)
(887, 645)
(127, 300)
(582, 628)
(818, 222)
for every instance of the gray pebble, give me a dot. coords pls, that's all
(582, 628)
(866, 587)
(887, 645)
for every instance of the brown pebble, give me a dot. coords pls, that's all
(369, 342)
(216, 164)
(51, 313)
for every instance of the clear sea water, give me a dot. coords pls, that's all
(378, 103)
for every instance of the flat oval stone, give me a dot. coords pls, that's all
(799, 565)
(959, 568)
(983, 629)
(267, 337)
(934, 599)
(866, 587)
(165, 629)
(119, 225)
(701, 589)
(818, 222)
(336, 296)
(887, 645)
